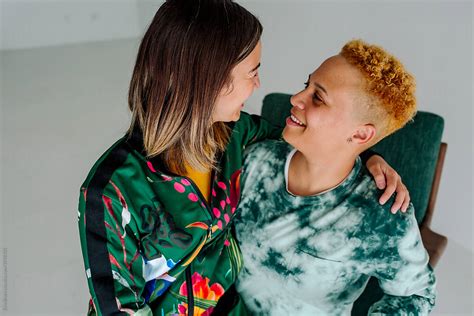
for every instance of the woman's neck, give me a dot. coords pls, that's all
(312, 176)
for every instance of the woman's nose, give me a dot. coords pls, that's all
(257, 81)
(297, 101)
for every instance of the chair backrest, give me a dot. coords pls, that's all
(412, 151)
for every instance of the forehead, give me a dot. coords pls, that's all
(336, 73)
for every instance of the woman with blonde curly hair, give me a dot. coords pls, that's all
(311, 230)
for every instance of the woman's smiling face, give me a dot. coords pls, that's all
(245, 80)
(323, 115)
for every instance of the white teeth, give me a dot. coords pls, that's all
(294, 119)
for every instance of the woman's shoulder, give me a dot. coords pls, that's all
(113, 162)
(379, 217)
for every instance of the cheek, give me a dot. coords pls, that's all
(222, 109)
(232, 101)
(315, 118)
(339, 128)
(324, 123)
(245, 90)
(250, 87)
(219, 106)
(226, 100)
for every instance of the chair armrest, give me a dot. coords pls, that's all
(434, 243)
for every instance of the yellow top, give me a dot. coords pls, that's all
(201, 179)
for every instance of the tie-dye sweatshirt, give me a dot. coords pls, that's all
(314, 255)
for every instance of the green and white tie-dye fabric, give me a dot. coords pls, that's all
(314, 255)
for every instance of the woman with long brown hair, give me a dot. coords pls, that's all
(156, 210)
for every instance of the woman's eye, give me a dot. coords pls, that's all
(254, 74)
(316, 97)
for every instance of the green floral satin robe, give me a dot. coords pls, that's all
(151, 243)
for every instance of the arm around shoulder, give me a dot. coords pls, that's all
(255, 128)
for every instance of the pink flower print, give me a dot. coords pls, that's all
(150, 166)
(222, 204)
(216, 212)
(166, 178)
(222, 185)
(226, 218)
(185, 182)
(226, 243)
(179, 187)
(193, 197)
(182, 309)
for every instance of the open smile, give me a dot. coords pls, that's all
(295, 120)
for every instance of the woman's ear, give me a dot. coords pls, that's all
(364, 134)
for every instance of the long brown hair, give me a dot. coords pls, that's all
(185, 59)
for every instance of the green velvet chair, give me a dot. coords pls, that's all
(417, 153)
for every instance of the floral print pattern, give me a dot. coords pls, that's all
(202, 291)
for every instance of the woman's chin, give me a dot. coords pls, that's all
(295, 139)
(237, 116)
(230, 118)
(287, 136)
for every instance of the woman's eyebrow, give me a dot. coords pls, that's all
(320, 87)
(317, 85)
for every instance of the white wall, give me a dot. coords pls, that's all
(39, 23)
(62, 105)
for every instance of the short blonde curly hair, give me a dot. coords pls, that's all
(391, 89)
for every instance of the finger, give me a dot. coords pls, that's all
(378, 175)
(389, 190)
(398, 201)
(406, 203)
